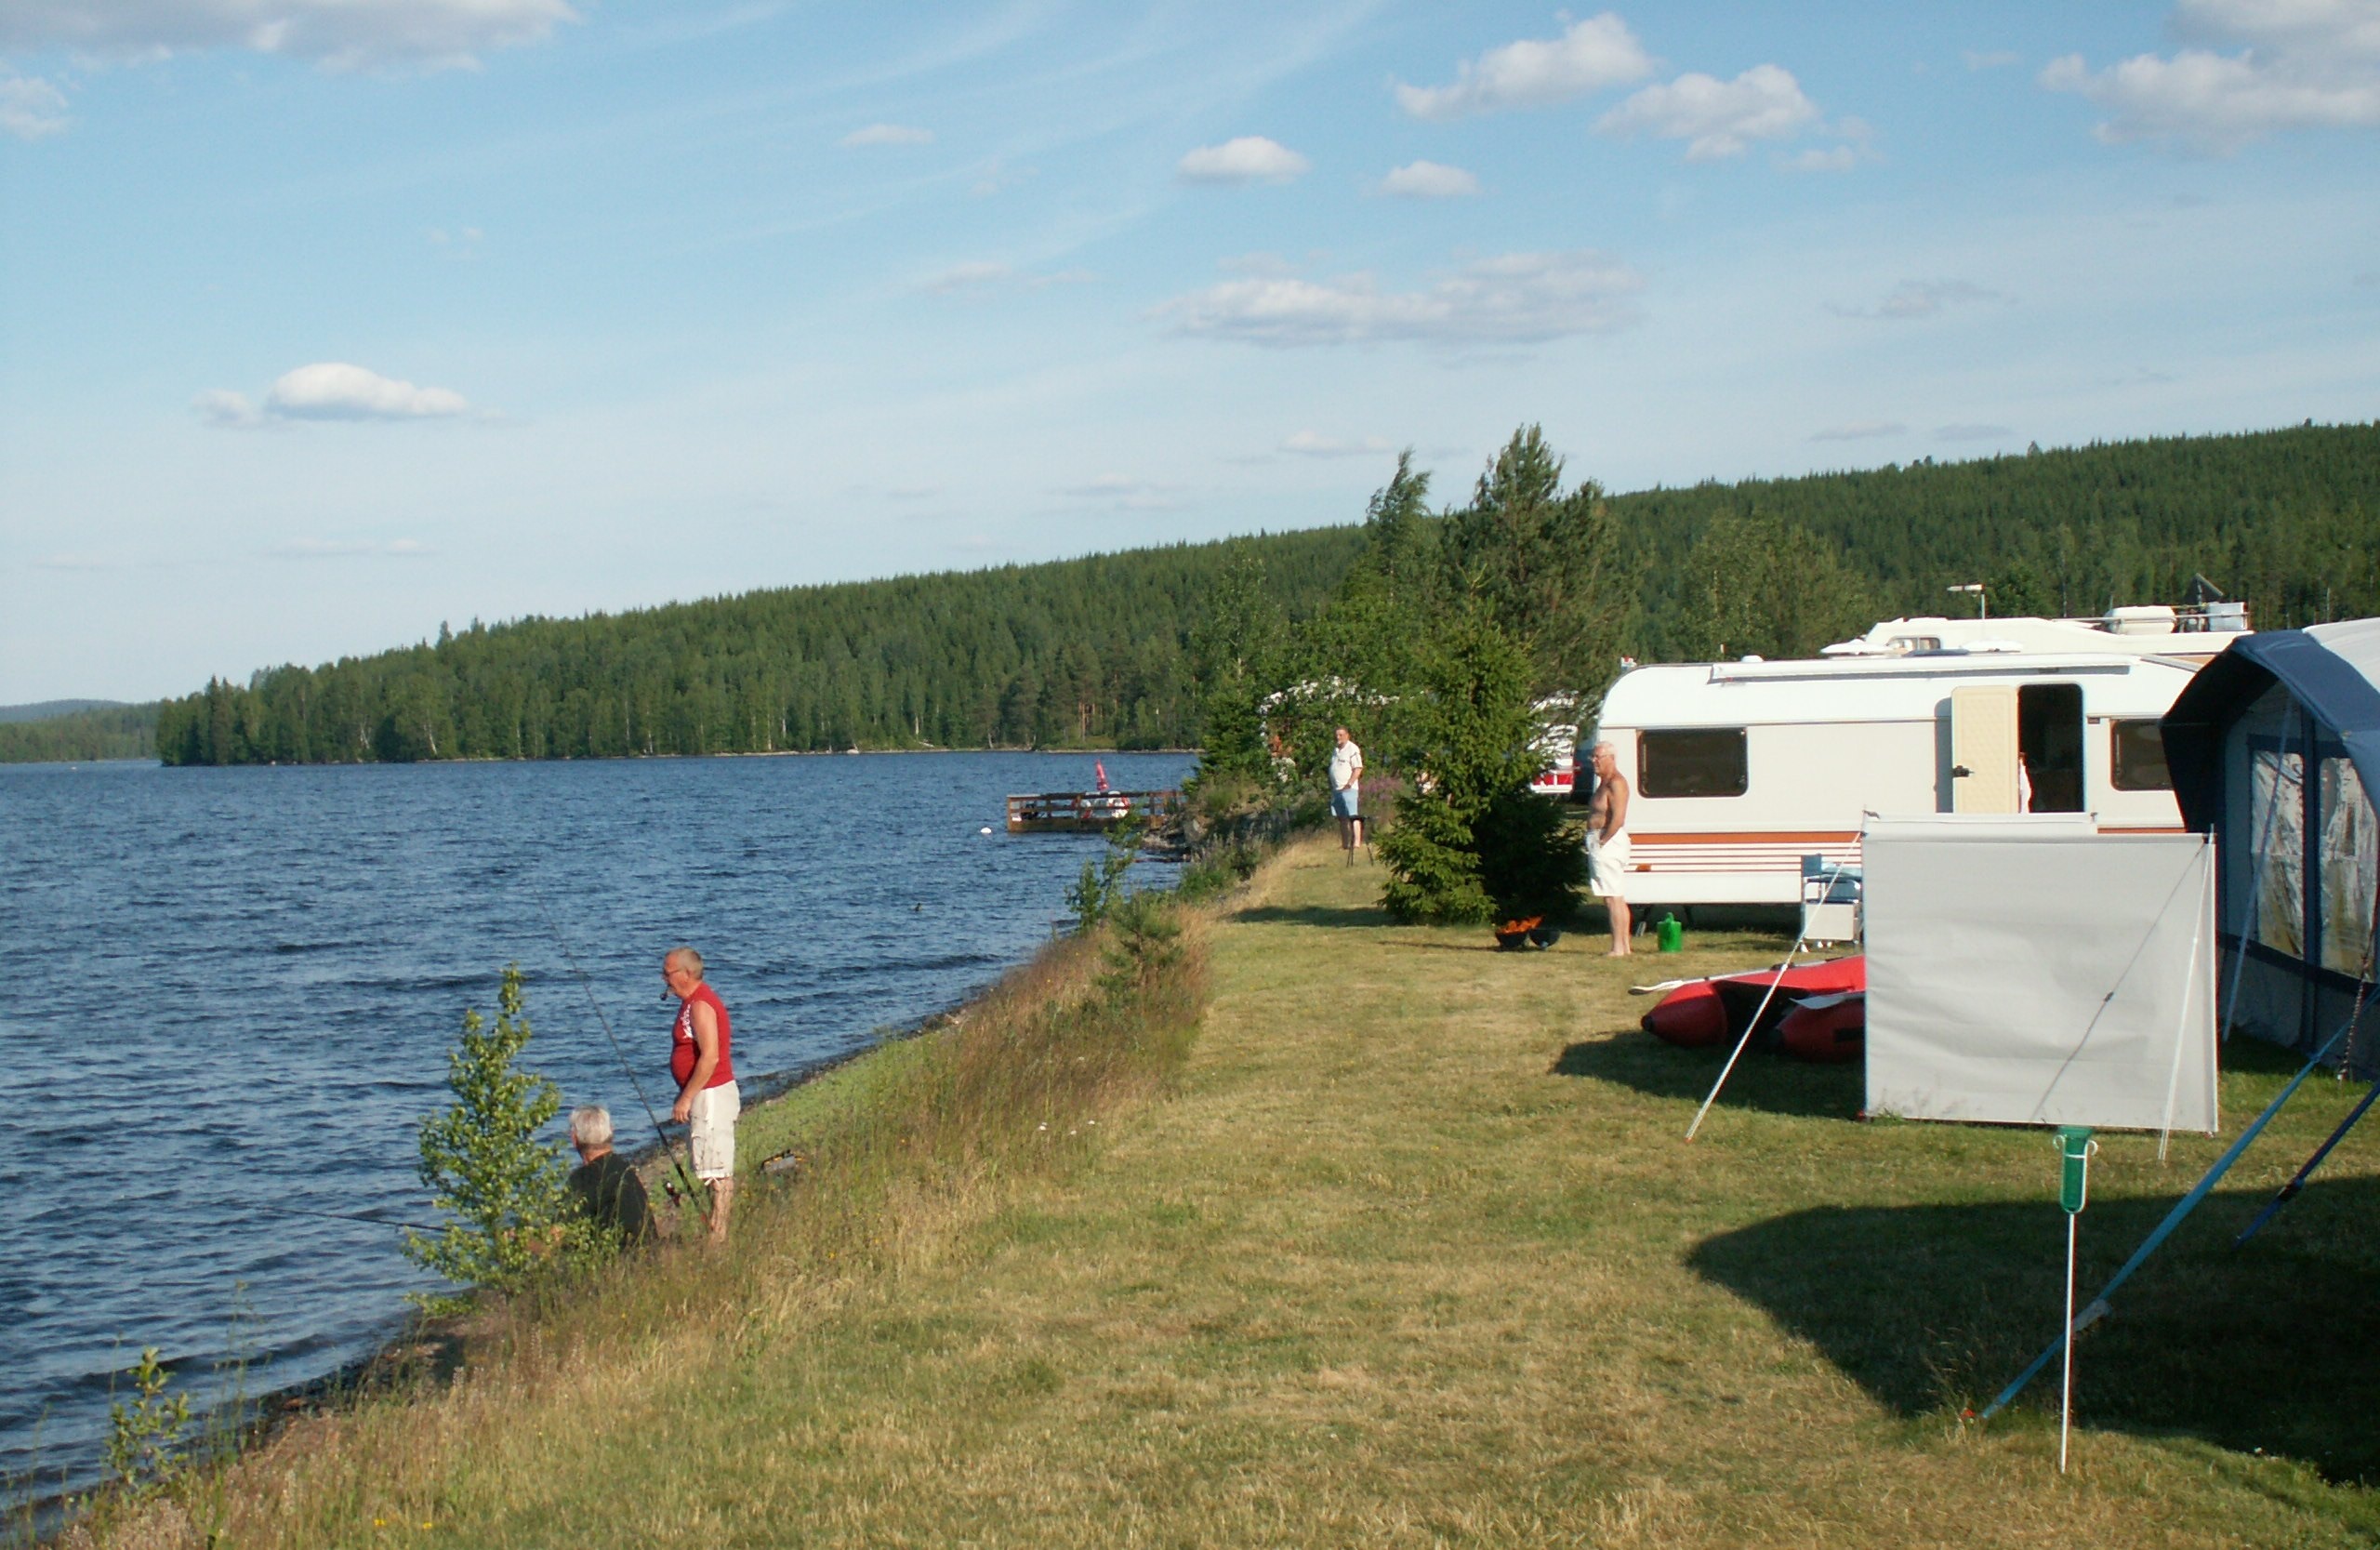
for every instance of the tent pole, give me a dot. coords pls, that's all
(2289, 1191)
(2187, 1203)
(1799, 937)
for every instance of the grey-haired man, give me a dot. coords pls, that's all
(604, 1184)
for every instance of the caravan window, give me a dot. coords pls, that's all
(2138, 750)
(1692, 762)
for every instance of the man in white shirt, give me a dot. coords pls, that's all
(1346, 772)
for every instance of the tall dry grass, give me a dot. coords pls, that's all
(898, 1152)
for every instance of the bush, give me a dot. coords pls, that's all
(482, 1163)
(1530, 866)
(1469, 843)
(1102, 886)
(145, 1435)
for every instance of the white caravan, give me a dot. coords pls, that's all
(1741, 768)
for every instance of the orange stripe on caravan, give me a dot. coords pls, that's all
(1779, 836)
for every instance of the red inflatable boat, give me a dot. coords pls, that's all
(1717, 1011)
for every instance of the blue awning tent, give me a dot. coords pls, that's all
(2275, 747)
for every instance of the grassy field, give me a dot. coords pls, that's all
(1406, 1250)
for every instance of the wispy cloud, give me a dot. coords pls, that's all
(1312, 443)
(1590, 56)
(329, 391)
(336, 35)
(1429, 181)
(1859, 431)
(1923, 298)
(887, 134)
(1715, 118)
(1516, 298)
(30, 107)
(1249, 159)
(352, 548)
(1126, 493)
(984, 277)
(85, 560)
(1855, 145)
(2301, 64)
(1974, 432)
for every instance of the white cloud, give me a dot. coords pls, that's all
(980, 278)
(1312, 444)
(1715, 118)
(330, 389)
(353, 549)
(30, 107)
(2301, 64)
(888, 133)
(338, 34)
(1429, 181)
(1859, 431)
(1590, 56)
(1923, 298)
(1516, 298)
(334, 389)
(1249, 159)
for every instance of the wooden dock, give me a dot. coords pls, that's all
(1086, 812)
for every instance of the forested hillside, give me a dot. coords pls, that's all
(2288, 519)
(1106, 650)
(1075, 653)
(102, 731)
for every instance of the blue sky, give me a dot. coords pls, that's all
(324, 320)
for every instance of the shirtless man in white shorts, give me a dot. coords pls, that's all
(1607, 843)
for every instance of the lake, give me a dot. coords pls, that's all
(242, 985)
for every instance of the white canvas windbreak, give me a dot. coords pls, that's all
(2033, 970)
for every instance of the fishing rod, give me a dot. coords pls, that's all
(685, 1175)
(277, 1210)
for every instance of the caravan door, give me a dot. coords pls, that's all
(1983, 749)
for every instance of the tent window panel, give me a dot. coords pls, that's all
(2277, 826)
(1692, 762)
(2137, 755)
(2350, 869)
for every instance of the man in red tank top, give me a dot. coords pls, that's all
(702, 1064)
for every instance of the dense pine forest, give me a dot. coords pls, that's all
(102, 732)
(1115, 650)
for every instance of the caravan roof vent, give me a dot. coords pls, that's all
(2143, 619)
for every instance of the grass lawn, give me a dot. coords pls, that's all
(1415, 1255)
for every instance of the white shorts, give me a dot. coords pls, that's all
(710, 1131)
(1607, 866)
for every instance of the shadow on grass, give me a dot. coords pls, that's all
(1312, 915)
(1768, 1082)
(1936, 1307)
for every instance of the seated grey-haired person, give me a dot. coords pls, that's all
(604, 1185)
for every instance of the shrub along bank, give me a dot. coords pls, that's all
(1411, 1255)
